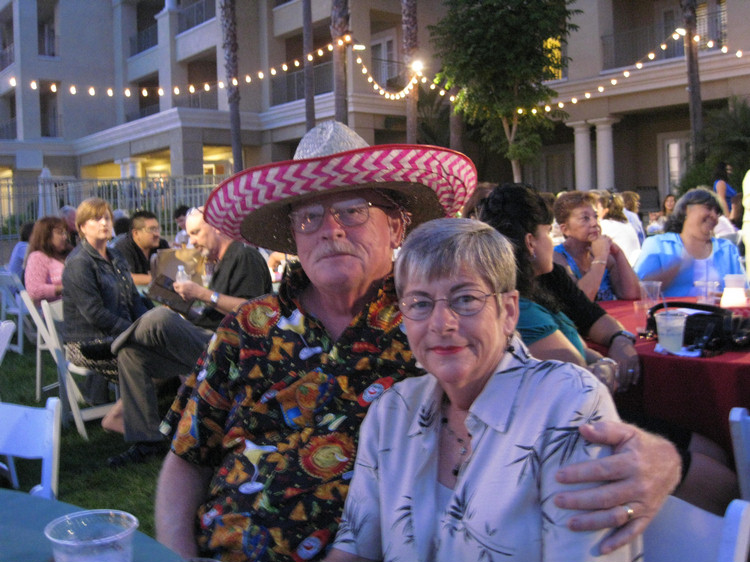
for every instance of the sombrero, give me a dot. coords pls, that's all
(428, 181)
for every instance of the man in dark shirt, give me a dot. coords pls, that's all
(140, 244)
(163, 344)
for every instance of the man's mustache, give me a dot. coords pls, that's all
(333, 248)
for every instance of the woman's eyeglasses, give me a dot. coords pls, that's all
(465, 303)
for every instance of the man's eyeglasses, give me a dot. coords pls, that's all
(464, 303)
(152, 229)
(352, 212)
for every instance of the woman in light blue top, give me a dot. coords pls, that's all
(688, 252)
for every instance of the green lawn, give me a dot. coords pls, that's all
(85, 478)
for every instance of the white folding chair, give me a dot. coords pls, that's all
(33, 433)
(53, 312)
(739, 426)
(7, 327)
(682, 532)
(42, 342)
(11, 303)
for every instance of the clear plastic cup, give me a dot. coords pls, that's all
(670, 327)
(97, 535)
(651, 292)
(708, 292)
(640, 311)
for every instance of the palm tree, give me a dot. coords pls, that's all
(339, 28)
(308, 73)
(695, 105)
(410, 44)
(229, 34)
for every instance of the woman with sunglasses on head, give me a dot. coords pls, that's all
(520, 213)
(434, 448)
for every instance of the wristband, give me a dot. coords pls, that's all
(603, 262)
(623, 333)
(214, 298)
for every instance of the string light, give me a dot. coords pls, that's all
(416, 77)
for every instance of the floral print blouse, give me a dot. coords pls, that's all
(523, 427)
(275, 412)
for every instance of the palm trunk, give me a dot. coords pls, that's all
(410, 44)
(229, 31)
(307, 46)
(339, 28)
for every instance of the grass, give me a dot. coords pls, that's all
(85, 479)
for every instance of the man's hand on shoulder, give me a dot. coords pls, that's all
(641, 472)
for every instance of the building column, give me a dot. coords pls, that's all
(605, 152)
(582, 132)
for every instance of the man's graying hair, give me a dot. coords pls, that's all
(441, 248)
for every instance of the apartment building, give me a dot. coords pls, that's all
(629, 127)
(133, 88)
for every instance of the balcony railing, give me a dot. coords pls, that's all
(199, 100)
(8, 130)
(196, 14)
(7, 56)
(628, 47)
(144, 39)
(290, 86)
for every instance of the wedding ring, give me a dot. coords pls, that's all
(629, 511)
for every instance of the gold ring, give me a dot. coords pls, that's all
(629, 511)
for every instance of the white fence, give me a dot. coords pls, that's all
(20, 203)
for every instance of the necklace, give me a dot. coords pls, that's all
(463, 448)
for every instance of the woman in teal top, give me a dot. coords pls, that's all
(521, 214)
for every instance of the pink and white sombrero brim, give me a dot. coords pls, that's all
(430, 182)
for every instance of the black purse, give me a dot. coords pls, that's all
(711, 328)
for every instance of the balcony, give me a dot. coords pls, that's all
(7, 57)
(144, 39)
(628, 47)
(198, 100)
(8, 130)
(290, 86)
(196, 14)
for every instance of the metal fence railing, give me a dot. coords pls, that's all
(20, 203)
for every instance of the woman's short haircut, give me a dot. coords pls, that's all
(442, 248)
(569, 201)
(41, 236)
(695, 196)
(92, 208)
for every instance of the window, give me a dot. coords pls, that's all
(674, 153)
(385, 64)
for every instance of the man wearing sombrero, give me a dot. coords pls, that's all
(265, 445)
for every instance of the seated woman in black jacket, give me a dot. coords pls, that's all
(100, 299)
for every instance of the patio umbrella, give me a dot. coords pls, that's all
(47, 204)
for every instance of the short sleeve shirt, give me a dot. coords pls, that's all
(275, 412)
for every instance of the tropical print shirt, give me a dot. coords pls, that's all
(523, 427)
(276, 412)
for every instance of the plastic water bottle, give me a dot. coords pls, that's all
(182, 275)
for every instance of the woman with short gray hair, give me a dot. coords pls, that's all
(487, 421)
(688, 252)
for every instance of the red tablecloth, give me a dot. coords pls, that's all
(696, 393)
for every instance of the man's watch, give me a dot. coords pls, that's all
(623, 333)
(215, 298)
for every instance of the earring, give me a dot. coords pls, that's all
(533, 256)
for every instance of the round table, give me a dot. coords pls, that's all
(22, 521)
